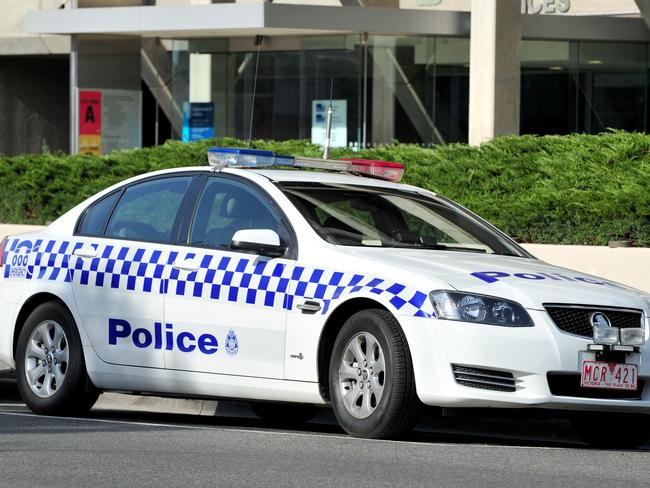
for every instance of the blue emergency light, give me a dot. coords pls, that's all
(221, 157)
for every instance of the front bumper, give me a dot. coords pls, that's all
(530, 354)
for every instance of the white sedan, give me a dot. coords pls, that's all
(298, 288)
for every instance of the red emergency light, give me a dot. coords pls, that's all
(385, 170)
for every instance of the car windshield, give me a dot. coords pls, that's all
(363, 216)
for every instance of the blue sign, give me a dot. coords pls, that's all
(198, 121)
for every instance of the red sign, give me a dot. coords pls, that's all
(90, 112)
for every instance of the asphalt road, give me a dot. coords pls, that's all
(110, 448)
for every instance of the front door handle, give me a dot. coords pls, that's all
(86, 252)
(188, 265)
(309, 306)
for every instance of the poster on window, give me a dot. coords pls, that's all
(90, 122)
(198, 121)
(339, 136)
(121, 120)
(109, 120)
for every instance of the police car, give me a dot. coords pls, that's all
(295, 288)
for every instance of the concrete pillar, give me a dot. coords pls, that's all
(383, 90)
(644, 8)
(200, 77)
(495, 69)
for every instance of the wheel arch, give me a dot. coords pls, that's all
(332, 326)
(28, 307)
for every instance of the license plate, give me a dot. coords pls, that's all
(611, 376)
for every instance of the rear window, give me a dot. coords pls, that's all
(147, 211)
(94, 219)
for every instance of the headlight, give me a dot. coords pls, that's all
(467, 307)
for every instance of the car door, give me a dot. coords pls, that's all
(117, 268)
(227, 309)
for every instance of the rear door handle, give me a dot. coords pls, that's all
(309, 306)
(86, 252)
(188, 265)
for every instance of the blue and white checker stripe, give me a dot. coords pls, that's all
(220, 276)
(329, 285)
(235, 279)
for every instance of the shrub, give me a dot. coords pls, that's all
(576, 189)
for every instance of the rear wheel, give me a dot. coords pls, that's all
(612, 430)
(285, 414)
(372, 385)
(50, 367)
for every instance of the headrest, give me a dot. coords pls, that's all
(242, 205)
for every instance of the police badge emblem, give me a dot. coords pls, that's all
(232, 344)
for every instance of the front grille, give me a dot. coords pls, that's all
(569, 385)
(574, 319)
(485, 379)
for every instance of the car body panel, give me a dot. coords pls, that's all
(266, 347)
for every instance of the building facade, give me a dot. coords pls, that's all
(98, 75)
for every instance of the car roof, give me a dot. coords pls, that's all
(299, 176)
(290, 176)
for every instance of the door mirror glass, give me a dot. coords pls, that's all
(265, 242)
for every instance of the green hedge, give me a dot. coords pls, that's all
(577, 189)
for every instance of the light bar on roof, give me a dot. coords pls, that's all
(330, 164)
(223, 157)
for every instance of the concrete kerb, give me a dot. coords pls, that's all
(122, 402)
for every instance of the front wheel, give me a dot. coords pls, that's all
(612, 430)
(371, 379)
(50, 367)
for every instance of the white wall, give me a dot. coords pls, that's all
(630, 266)
(14, 40)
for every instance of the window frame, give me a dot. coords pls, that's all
(190, 215)
(178, 219)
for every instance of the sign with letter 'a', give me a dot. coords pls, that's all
(90, 122)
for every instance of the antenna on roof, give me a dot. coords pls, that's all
(328, 126)
(258, 43)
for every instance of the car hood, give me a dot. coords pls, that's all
(526, 280)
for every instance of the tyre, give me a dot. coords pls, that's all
(612, 430)
(285, 414)
(371, 379)
(50, 367)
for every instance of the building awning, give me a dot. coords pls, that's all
(231, 20)
(234, 20)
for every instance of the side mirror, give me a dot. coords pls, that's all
(265, 242)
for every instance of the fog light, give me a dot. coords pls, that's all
(633, 337)
(606, 335)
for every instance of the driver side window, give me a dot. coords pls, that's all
(226, 206)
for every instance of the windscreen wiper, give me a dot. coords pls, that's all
(442, 247)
